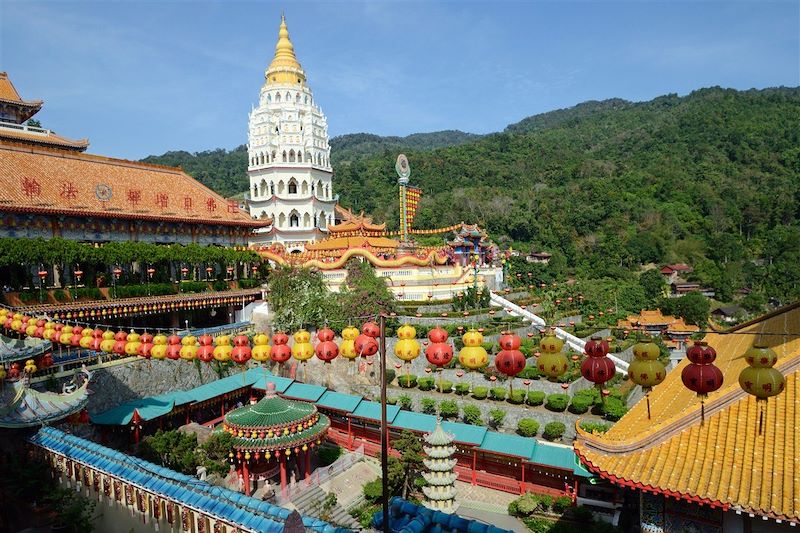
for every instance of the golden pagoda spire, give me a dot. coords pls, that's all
(284, 68)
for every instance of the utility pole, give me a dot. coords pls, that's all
(384, 429)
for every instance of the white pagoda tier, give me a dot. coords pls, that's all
(441, 490)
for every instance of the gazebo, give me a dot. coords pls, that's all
(273, 431)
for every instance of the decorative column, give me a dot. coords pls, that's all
(308, 463)
(441, 490)
(282, 456)
(246, 474)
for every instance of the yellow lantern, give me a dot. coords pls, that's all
(646, 370)
(107, 344)
(473, 355)
(30, 366)
(31, 329)
(159, 349)
(189, 340)
(2, 373)
(223, 348)
(551, 344)
(302, 350)
(350, 333)
(406, 331)
(66, 335)
(261, 350)
(188, 352)
(348, 347)
(552, 364)
(86, 337)
(760, 378)
(407, 349)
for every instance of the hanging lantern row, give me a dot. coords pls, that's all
(269, 453)
(121, 310)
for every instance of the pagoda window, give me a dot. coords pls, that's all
(327, 191)
(255, 191)
(297, 98)
(293, 186)
(284, 156)
(294, 220)
(277, 97)
(306, 221)
(282, 220)
(304, 188)
(322, 220)
(269, 97)
(320, 190)
(291, 156)
(273, 156)
(299, 156)
(271, 189)
(281, 187)
(308, 157)
(263, 187)
(288, 97)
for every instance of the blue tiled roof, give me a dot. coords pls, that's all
(509, 444)
(339, 401)
(305, 391)
(407, 517)
(465, 433)
(414, 421)
(234, 507)
(372, 411)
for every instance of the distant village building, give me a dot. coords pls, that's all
(727, 313)
(539, 257)
(675, 271)
(656, 323)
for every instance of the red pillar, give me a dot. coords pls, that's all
(246, 477)
(283, 471)
(474, 464)
(522, 485)
(349, 435)
(308, 465)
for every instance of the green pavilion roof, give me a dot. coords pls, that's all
(270, 412)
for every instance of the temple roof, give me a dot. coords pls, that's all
(284, 68)
(49, 181)
(19, 349)
(22, 407)
(722, 461)
(10, 96)
(439, 437)
(359, 223)
(271, 411)
(345, 243)
(39, 136)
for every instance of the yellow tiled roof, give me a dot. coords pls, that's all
(723, 461)
(8, 93)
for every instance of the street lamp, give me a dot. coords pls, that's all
(150, 272)
(209, 269)
(184, 271)
(42, 276)
(78, 273)
(117, 272)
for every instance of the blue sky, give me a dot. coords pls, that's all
(144, 78)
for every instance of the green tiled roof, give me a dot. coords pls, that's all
(559, 456)
(415, 421)
(285, 441)
(339, 401)
(304, 391)
(372, 411)
(509, 444)
(281, 384)
(148, 408)
(465, 433)
(271, 410)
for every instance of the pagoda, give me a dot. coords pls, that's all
(441, 479)
(273, 432)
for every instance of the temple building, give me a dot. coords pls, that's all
(291, 179)
(441, 489)
(725, 471)
(51, 188)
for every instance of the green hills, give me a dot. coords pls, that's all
(711, 178)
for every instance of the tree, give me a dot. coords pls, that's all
(405, 469)
(363, 293)
(653, 283)
(173, 449)
(300, 298)
(694, 308)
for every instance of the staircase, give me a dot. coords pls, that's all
(310, 503)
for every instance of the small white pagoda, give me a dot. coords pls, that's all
(441, 490)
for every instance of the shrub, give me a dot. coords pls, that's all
(249, 283)
(592, 395)
(517, 397)
(28, 297)
(527, 427)
(480, 393)
(496, 417)
(561, 503)
(60, 295)
(529, 372)
(194, 286)
(462, 388)
(557, 402)
(591, 427)
(428, 406)
(536, 397)
(220, 285)
(448, 409)
(579, 405)
(390, 375)
(391, 400)
(407, 381)
(498, 393)
(614, 408)
(89, 293)
(328, 454)
(373, 491)
(472, 415)
(425, 384)
(444, 386)
(554, 430)
(405, 402)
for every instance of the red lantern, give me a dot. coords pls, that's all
(437, 334)
(439, 354)
(326, 334)
(509, 341)
(241, 352)
(145, 346)
(701, 375)
(366, 345)
(280, 349)
(326, 350)
(97, 338)
(371, 329)
(510, 362)
(597, 367)
(206, 351)
(119, 345)
(174, 348)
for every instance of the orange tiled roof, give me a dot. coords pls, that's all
(724, 461)
(359, 223)
(48, 138)
(345, 243)
(680, 325)
(44, 180)
(647, 318)
(8, 93)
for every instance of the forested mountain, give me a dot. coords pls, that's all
(354, 145)
(711, 178)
